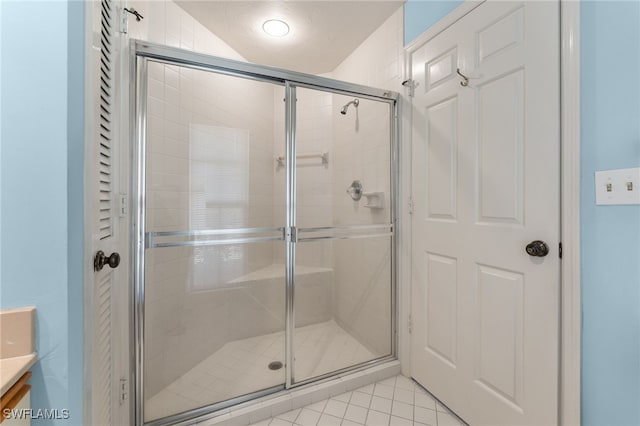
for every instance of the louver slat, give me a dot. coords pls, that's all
(105, 131)
(102, 336)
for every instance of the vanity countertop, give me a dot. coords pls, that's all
(17, 345)
(11, 369)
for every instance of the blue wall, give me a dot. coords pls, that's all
(610, 116)
(1, 155)
(75, 202)
(40, 134)
(422, 14)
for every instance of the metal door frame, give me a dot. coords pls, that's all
(141, 53)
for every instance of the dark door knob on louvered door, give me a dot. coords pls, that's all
(102, 259)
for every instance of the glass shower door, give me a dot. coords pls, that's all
(214, 275)
(344, 233)
(264, 232)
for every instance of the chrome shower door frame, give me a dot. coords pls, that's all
(141, 53)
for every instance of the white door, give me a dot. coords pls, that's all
(486, 184)
(105, 230)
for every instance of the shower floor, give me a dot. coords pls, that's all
(241, 367)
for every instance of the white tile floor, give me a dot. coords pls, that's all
(397, 401)
(240, 367)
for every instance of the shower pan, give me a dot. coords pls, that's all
(254, 271)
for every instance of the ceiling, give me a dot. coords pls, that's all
(322, 33)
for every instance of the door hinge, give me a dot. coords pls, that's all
(124, 21)
(560, 250)
(410, 205)
(122, 205)
(409, 325)
(411, 84)
(124, 390)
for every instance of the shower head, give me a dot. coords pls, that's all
(355, 103)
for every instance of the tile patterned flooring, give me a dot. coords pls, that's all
(398, 401)
(240, 367)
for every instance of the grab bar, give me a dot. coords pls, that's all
(322, 155)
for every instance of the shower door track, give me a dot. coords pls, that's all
(141, 52)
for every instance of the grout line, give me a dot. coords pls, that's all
(369, 409)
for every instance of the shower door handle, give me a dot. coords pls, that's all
(102, 259)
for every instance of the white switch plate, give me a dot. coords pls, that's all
(620, 186)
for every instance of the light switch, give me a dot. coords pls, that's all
(620, 186)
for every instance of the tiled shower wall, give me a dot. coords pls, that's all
(362, 267)
(314, 130)
(314, 123)
(189, 313)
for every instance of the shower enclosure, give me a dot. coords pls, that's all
(264, 230)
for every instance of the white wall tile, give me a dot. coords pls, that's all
(361, 151)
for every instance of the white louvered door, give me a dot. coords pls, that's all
(106, 225)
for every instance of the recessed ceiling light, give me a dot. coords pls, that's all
(275, 28)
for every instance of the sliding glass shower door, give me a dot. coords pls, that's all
(214, 276)
(264, 231)
(343, 242)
